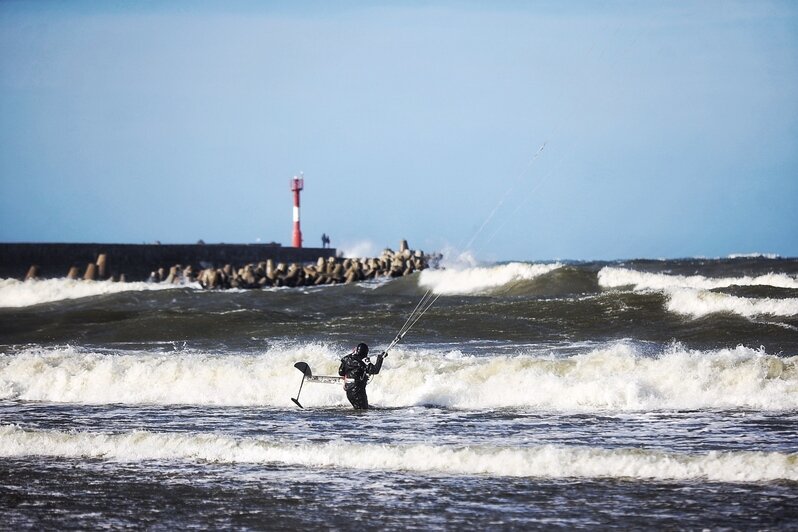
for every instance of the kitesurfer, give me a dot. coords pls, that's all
(356, 368)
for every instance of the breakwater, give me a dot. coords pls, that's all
(136, 262)
(330, 270)
(213, 266)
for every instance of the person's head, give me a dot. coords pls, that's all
(362, 350)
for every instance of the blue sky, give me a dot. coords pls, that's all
(668, 129)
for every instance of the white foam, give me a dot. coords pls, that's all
(691, 295)
(15, 293)
(772, 256)
(76, 376)
(697, 303)
(479, 280)
(362, 248)
(455, 259)
(612, 277)
(548, 461)
(615, 377)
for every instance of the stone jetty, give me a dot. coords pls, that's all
(329, 270)
(217, 266)
(136, 261)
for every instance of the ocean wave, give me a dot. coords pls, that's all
(546, 461)
(73, 375)
(697, 303)
(481, 280)
(772, 256)
(16, 293)
(692, 295)
(613, 277)
(614, 377)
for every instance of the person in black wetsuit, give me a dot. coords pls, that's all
(357, 367)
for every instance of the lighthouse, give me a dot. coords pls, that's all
(297, 184)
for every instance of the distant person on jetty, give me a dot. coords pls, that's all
(357, 367)
(325, 240)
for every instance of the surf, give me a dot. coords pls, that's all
(698, 303)
(15, 293)
(622, 376)
(695, 296)
(482, 280)
(540, 461)
(615, 277)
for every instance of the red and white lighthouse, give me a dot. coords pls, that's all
(297, 183)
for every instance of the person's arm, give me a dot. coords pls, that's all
(375, 368)
(342, 368)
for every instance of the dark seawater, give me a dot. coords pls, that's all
(641, 394)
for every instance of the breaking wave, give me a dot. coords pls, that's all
(16, 293)
(772, 256)
(693, 296)
(612, 277)
(697, 303)
(547, 461)
(615, 377)
(481, 280)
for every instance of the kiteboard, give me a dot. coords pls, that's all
(310, 377)
(307, 375)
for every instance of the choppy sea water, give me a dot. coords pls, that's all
(642, 394)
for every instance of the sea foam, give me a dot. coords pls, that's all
(547, 461)
(480, 280)
(771, 256)
(15, 293)
(697, 303)
(692, 295)
(614, 377)
(612, 277)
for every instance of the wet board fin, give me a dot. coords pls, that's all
(296, 402)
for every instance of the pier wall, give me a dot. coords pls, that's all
(137, 261)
